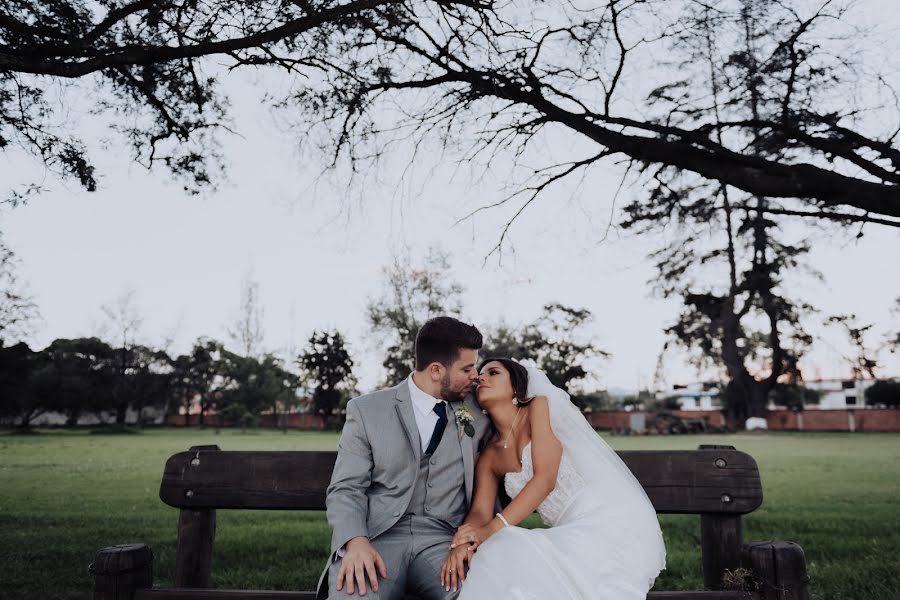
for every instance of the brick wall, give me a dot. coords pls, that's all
(837, 419)
(295, 421)
(878, 419)
(868, 419)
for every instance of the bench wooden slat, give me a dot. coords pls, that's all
(714, 481)
(201, 594)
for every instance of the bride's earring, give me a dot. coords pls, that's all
(515, 401)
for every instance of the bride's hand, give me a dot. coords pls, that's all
(466, 534)
(474, 536)
(453, 573)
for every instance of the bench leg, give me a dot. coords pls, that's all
(779, 568)
(119, 571)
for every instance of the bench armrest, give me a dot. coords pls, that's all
(778, 568)
(121, 570)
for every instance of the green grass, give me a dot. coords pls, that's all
(64, 495)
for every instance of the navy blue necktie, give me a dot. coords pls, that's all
(441, 412)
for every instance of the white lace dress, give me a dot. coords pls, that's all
(590, 550)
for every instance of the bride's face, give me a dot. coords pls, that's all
(494, 384)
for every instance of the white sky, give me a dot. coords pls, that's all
(317, 256)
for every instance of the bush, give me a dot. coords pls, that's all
(884, 393)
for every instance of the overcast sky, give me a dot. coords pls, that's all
(318, 255)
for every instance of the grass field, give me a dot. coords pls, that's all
(64, 495)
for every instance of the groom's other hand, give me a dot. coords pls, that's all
(361, 560)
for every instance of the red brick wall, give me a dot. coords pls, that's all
(610, 419)
(784, 419)
(211, 420)
(836, 419)
(868, 419)
(620, 419)
(877, 419)
(715, 417)
(825, 420)
(295, 421)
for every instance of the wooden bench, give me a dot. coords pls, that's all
(718, 483)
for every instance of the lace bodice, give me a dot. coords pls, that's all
(568, 483)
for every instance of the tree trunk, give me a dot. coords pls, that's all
(121, 413)
(72, 418)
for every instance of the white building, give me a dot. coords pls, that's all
(841, 393)
(693, 397)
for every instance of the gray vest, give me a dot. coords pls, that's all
(440, 490)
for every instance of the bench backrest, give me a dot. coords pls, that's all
(708, 481)
(717, 482)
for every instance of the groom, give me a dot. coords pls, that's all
(403, 479)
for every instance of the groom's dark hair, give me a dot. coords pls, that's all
(441, 338)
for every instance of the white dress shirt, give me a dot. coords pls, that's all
(423, 408)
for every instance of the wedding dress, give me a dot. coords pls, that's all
(602, 540)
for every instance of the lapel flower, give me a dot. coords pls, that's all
(464, 421)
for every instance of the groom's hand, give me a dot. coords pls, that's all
(361, 560)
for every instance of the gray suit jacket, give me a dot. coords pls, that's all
(377, 463)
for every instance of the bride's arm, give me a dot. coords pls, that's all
(546, 453)
(484, 498)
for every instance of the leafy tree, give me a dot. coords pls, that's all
(80, 377)
(554, 339)
(254, 385)
(413, 295)
(144, 60)
(644, 399)
(863, 362)
(327, 366)
(198, 376)
(506, 340)
(148, 380)
(794, 396)
(497, 75)
(598, 400)
(556, 342)
(730, 259)
(18, 311)
(20, 395)
(885, 392)
(123, 320)
(503, 78)
(247, 330)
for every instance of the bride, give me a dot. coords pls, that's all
(603, 540)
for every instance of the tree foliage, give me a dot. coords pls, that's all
(557, 343)
(415, 291)
(18, 310)
(20, 396)
(486, 80)
(728, 255)
(143, 60)
(328, 368)
(885, 392)
(483, 77)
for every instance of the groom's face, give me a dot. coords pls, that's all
(458, 378)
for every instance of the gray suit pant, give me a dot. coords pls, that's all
(413, 550)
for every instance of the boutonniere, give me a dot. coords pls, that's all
(464, 421)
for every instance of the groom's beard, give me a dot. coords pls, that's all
(448, 394)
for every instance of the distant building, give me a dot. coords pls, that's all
(841, 393)
(693, 397)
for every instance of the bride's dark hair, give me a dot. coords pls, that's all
(518, 376)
